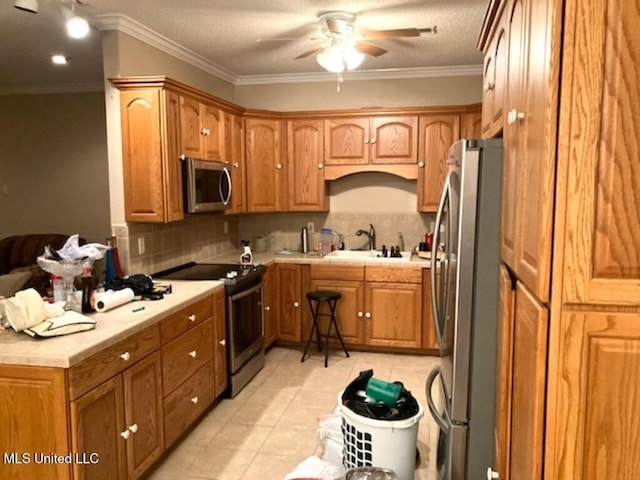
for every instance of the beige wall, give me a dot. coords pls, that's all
(53, 165)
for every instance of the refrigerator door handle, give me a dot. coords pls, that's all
(442, 423)
(439, 310)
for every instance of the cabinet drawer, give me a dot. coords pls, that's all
(396, 275)
(185, 404)
(333, 272)
(185, 355)
(112, 360)
(180, 322)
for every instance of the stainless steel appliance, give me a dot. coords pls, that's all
(461, 389)
(206, 185)
(244, 316)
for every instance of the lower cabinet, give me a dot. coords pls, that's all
(120, 421)
(380, 306)
(220, 376)
(269, 305)
(290, 303)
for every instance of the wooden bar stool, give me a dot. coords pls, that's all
(315, 300)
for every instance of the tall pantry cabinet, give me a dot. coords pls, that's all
(571, 237)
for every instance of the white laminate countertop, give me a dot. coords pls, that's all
(111, 327)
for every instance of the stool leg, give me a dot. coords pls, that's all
(314, 326)
(335, 324)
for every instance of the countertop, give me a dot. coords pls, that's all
(111, 327)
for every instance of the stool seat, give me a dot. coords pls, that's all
(323, 295)
(315, 299)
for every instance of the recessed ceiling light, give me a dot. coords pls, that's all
(59, 59)
(77, 27)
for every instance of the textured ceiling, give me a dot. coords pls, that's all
(225, 34)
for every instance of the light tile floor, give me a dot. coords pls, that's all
(271, 425)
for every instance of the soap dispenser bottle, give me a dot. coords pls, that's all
(247, 257)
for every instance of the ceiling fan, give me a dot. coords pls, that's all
(343, 46)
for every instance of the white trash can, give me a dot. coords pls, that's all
(380, 443)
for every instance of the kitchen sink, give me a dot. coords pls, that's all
(370, 256)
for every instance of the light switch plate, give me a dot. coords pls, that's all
(311, 227)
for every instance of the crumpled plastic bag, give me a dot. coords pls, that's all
(330, 436)
(316, 469)
(71, 251)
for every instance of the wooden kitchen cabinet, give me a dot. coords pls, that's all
(471, 123)
(270, 304)
(437, 133)
(120, 421)
(34, 419)
(290, 302)
(265, 168)
(220, 377)
(371, 140)
(201, 129)
(308, 191)
(152, 173)
(429, 337)
(234, 156)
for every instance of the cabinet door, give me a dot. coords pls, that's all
(394, 140)
(349, 310)
(529, 386)
(265, 182)
(393, 314)
(213, 132)
(289, 302)
(172, 167)
(594, 421)
(143, 414)
(437, 134)
(598, 151)
(219, 343)
(33, 416)
(504, 353)
(347, 141)
(269, 302)
(488, 88)
(429, 338)
(471, 124)
(191, 130)
(305, 144)
(98, 426)
(234, 154)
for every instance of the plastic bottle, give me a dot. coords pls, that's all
(326, 237)
(400, 242)
(87, 292)
(247, 257)
(57, 285)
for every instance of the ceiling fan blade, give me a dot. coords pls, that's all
(370, 49)
(397, 33)
(309, 52)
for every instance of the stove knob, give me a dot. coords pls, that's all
(230, 275)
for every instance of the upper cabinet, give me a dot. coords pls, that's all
(150, 155)
(266, 189)
(305, 146)
(234, 156)
(202, 129)
(494, 84)
(437, 134)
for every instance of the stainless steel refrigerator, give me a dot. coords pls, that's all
(464, 297)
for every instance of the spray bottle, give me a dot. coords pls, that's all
(247, 257)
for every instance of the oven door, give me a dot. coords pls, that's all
(245, 325)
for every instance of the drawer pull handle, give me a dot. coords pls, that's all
(194, 400)
(192, 317)
(193, 354)
(222, 342)
(125, 434)
(134, 428)
(125, 356)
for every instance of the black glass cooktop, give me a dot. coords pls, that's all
(236, 277)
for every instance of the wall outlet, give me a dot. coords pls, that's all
(141, 246)
(311, 227)
(225, 227)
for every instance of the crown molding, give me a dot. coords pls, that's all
(136, 30)
(53, 88)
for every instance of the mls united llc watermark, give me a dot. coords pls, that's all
(80, 458)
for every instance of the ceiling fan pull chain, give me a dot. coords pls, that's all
(339, 81)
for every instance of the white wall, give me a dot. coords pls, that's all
(53, 165)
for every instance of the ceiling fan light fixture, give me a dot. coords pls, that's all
(340, 55)
(27, 5)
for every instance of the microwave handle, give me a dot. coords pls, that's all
(226, 177)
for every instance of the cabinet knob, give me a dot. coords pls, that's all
(236, 164)
(320, 166)
(278, 166)
(192, 317)
(203, 131)
(367, 315)
(134, 428)
(421, 164)
(125, 434)
(296, 304)
(373, 140)
(182, 157)
(491, 475)
(366, 140)
(489, 86)
(514, 116)
(222, 342)
(360, 314)
(267, 308)
(194, 400)
(193, 354)
(125, 356)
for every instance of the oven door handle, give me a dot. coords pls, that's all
(246, 292)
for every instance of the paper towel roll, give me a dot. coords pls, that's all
(113, 299)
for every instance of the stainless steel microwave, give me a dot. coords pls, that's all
(206, 185)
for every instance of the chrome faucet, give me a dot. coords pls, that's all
(371, 235)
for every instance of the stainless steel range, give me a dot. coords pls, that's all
(244, 317)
